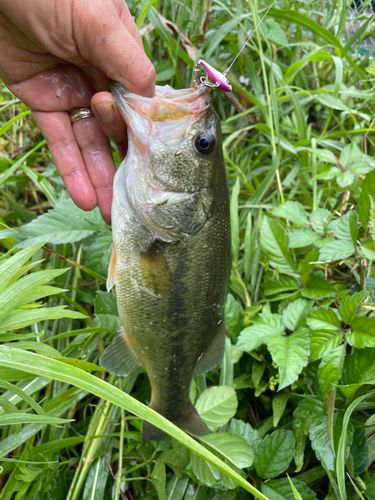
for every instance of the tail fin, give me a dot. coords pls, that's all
(189, 422)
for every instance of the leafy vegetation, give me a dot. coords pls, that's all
(291, 408)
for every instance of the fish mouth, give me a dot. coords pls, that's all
(169, 115)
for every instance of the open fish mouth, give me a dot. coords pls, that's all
(169, 115)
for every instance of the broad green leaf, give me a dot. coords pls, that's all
(233, 317)
(63, 224)
(336, 250)
(364, 204)
(363, 334)
(158, 479)
(320, 217)
(323, 318)
(280, 489)
(344, 179)
(325, 155)
(318, 288)
(330, 369)
(291, 354)
(271, 319)
(291, 210)
(307, 410)
(359, 451)
(350, 154)
(106, 311)
(353, 225)
(205, 472)
(295, 312)
(299, 238)
(216, 405)
(275, 244)
(247, 432)
(349, 306)
(322, 342)
(359, 367)
(253, 336)
(367, 250)
(46, 367)
(320, 441)
(331, 102)
(274, 32)
(341, 227)
(274, 454)
(231, 447)
(279, 403)
(280, 284)
(98, 250)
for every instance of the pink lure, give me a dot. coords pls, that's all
(216, 76)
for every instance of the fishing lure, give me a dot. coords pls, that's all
(219, 79)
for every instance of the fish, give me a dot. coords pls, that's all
(171, 257)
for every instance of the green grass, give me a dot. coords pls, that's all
(293, 399)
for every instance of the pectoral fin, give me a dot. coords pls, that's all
(214, 354)
(156, 274)
(118, 358)
(111, 278)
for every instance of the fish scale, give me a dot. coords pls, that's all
(171, 260)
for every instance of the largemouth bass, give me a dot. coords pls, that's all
(171, 256)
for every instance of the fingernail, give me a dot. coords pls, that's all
(105, 111)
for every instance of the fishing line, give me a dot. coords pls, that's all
(218, 78)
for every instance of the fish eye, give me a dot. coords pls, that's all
(205, 143)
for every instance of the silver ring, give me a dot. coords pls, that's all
(77, 114)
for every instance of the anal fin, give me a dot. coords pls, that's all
(111, 278)
(118, 358)
(214, 354)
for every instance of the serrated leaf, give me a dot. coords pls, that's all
(323, 318)
(280, 489)
(295, 312)
(367, 188)
(280, 284)
(325, 155)
(359, 367)
(106, 311)
(363, 334)
(64, 224)
(253, 336)
(322, 342)
(292, 211)
(247, 432)
(271, 319)
(320, 217)
(299, 238)
(341, 227)
(216, 405)
(360, 167)
(367, 250)
(320, 441)
(336, 250)
(331, 102)
(233, 317)
(274, 32)
(98, 250)
(318, 288)
(231, 447)
(349, 306)
(359, 451)
(279, 403)
(344, 179)
(275, 245)
(330, 369)
(158, 479)
(307, 410)
(291, 354)
(350, 154)
(274, 454)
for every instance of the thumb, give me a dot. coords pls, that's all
(103, 40)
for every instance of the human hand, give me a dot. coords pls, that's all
(55, 56)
